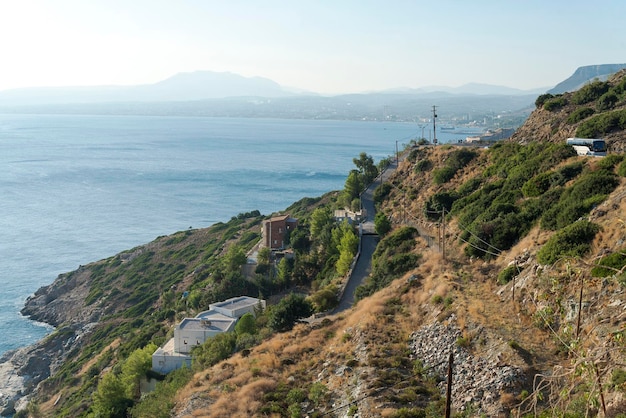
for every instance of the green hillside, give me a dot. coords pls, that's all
(510, 257)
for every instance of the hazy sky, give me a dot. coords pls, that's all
(327, 46)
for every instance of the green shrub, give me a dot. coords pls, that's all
(508, 274)
(444, 174)
(381, 192)
(382, 225)
(542, 99)
(437, 203)
(609, 265)
(554, 103)
(469, 187)
(580, 114)
(423, 165)
(607, 101)
(590, 92)
(569, 172)
(610, 161)
(621, 169)
(587, 192)
(538, 185)
(601, 124)
(572, 241)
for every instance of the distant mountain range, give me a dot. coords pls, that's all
(205, 85)
(199, 85)
(223, 94)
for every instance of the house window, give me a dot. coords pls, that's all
(280, 230)
(184, 341)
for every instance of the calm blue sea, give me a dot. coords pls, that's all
(76, 189)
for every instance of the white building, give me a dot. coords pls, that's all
(221, 317)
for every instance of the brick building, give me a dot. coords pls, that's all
(276, 229)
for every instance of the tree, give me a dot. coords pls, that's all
(283, 273)
(136, 366)
(382, 225)
(284, 315)
(110, 400)
(246, 325)
(367, 168)
(325, 299)
(263, 255)
(347, 247)
(353, 187)
(320, 219)
(234, 258)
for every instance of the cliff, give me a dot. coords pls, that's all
(584, 75)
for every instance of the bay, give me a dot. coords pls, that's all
(76, 189)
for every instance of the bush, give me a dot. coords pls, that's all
(580, 114)
(382, 225)
(571, 241)
(610, 161)
(325, 299)
(609, 265)
(437, 203)
(621, 169)
(381, 192)
(607, 101)
(542, 99)
(423, 165)
(579, 199)
(444, 174)
(590, 92)
(538, 185)
(284, 315)
(601, 124)
(554, 103)
(508, 274)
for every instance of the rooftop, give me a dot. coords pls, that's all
(211, 321)
(234, 303)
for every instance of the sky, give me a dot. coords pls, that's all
(323, 46)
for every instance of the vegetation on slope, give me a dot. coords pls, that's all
(543, 223)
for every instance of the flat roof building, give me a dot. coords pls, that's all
(190, 332)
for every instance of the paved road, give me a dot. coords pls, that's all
(369, 240)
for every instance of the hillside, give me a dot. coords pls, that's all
(595, 111)
(586, 74)
(507, 309)
(509, 258)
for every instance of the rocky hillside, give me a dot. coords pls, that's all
(508, 284)
(509, 260)
(598, 109)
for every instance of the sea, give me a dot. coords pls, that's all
(78, 188)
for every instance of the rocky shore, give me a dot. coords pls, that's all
(61, 304)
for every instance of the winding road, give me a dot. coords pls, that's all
(369, 240)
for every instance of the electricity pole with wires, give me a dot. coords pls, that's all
(434, 125)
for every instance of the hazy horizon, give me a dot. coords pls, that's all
(324, 47)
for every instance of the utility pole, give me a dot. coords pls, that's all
(449, 386)
(434, 125)
(396, 152)
(442, 239)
